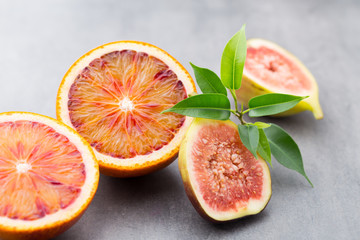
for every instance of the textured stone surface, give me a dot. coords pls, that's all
(39, 40)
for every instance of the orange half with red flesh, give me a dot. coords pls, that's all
(48, 176)
(114, 95)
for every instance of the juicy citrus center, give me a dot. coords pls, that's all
(116, 101)
(275, 69)
(41, 172)
(126, 104)
(228, 175)
(23, 167)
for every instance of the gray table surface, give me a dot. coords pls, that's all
(39, 40)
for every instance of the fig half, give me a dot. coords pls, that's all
(270, 68)
(222, 179)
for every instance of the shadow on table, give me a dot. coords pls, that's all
(158, 183)
(240, 223)
(129, 201)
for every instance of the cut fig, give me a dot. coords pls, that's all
(270, 68)
(222, 179)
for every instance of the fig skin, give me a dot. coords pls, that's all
(250, 88)
(189, 189)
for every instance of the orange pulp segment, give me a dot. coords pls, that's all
(41, 171)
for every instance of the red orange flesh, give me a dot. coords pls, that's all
(40, 170)
(115, 103)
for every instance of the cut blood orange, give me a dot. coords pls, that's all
(48, 176)
(114, 95)
(270, 68)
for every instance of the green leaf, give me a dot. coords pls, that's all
(233, 60)
(261, 124)
(272, 103)
(249, 136)
(207, 105)
(264, 147)
(208, 81)
(285, 149)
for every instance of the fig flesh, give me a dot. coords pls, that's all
(222, 179)
(269, 68)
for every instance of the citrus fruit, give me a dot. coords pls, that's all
(113, 96)
(48, 176)
(222, 178)
(270, 68)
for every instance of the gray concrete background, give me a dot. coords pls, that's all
(39, 40)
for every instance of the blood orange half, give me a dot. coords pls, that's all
(270, 68)
(48, 176)
(114, 95)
